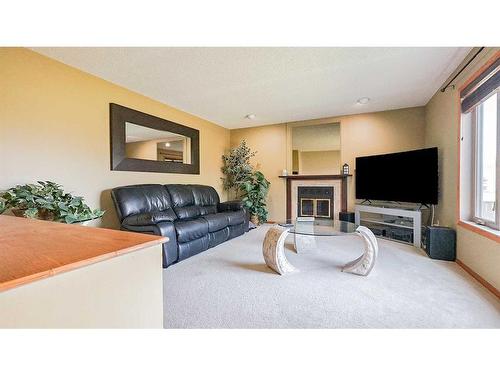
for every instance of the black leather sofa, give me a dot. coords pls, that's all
(191, 216)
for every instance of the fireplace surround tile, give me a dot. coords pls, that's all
(338, 182)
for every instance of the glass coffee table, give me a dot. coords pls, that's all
(305, 231)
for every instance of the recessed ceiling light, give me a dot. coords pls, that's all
(167, 144)
(250, 116)
(363, 100)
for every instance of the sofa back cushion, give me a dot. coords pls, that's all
(206, 198)
(192, 201)
(183, 201)
(137, 199)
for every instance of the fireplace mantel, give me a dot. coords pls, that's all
(316, 177)
(295, 177)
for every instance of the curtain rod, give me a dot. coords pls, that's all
(461, 70)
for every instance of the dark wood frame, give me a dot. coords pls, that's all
(343, 177)
(119, 115)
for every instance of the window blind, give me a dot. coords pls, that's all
(481, 87)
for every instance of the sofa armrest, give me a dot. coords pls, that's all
(231, 206)
(165, 229)
(149, 218)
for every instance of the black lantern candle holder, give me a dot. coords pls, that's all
(345, 169)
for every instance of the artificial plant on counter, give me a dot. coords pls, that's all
(247, 183)
(47, 200)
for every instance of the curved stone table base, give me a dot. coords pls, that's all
(274, 250)
(304, 243)
(364, 264)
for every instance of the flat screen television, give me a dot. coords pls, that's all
(410, 176)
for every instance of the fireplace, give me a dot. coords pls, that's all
(315, 201)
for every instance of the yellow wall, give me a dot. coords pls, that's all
(321, 138)
(481, 254)
(147, 150)
(319, 162)
(270, 143)
(54, 125)
(295, 161)
(364, 134)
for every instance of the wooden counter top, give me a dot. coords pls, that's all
(33, 249)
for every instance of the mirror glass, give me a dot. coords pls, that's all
(159, 145)
(316, 149)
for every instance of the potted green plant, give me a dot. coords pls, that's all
(241, 178)
(255, 190)
(47, 200)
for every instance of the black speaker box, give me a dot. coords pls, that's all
(346, 216)
(440, 243)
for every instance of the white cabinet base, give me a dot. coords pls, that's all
(121, 292)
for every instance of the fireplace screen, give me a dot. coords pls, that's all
(315, 201)
(306, 207)
(315, 207)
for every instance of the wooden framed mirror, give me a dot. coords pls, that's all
(146, 143)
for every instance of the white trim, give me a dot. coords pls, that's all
(483, 227)
(476, 190)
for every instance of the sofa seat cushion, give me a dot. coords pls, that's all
(235, 217)
(216, 222)
(187, 212)
(189, 230)
(207, 210)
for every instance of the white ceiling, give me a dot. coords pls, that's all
(278, 85)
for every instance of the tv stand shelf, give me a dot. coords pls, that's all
(401, 224)
(387, 223)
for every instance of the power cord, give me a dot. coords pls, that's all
(431, 220)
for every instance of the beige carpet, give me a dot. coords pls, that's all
(231, 287)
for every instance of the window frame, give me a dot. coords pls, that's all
(476, 191)
(464, 203)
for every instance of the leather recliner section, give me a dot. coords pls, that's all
(189, 230)
(217, 221)
(218, 237)
(235, 217)
(236, 230)
(188, 249)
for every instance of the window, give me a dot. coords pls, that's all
(480, 149)
(486, 162)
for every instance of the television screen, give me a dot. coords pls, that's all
(410, 176)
